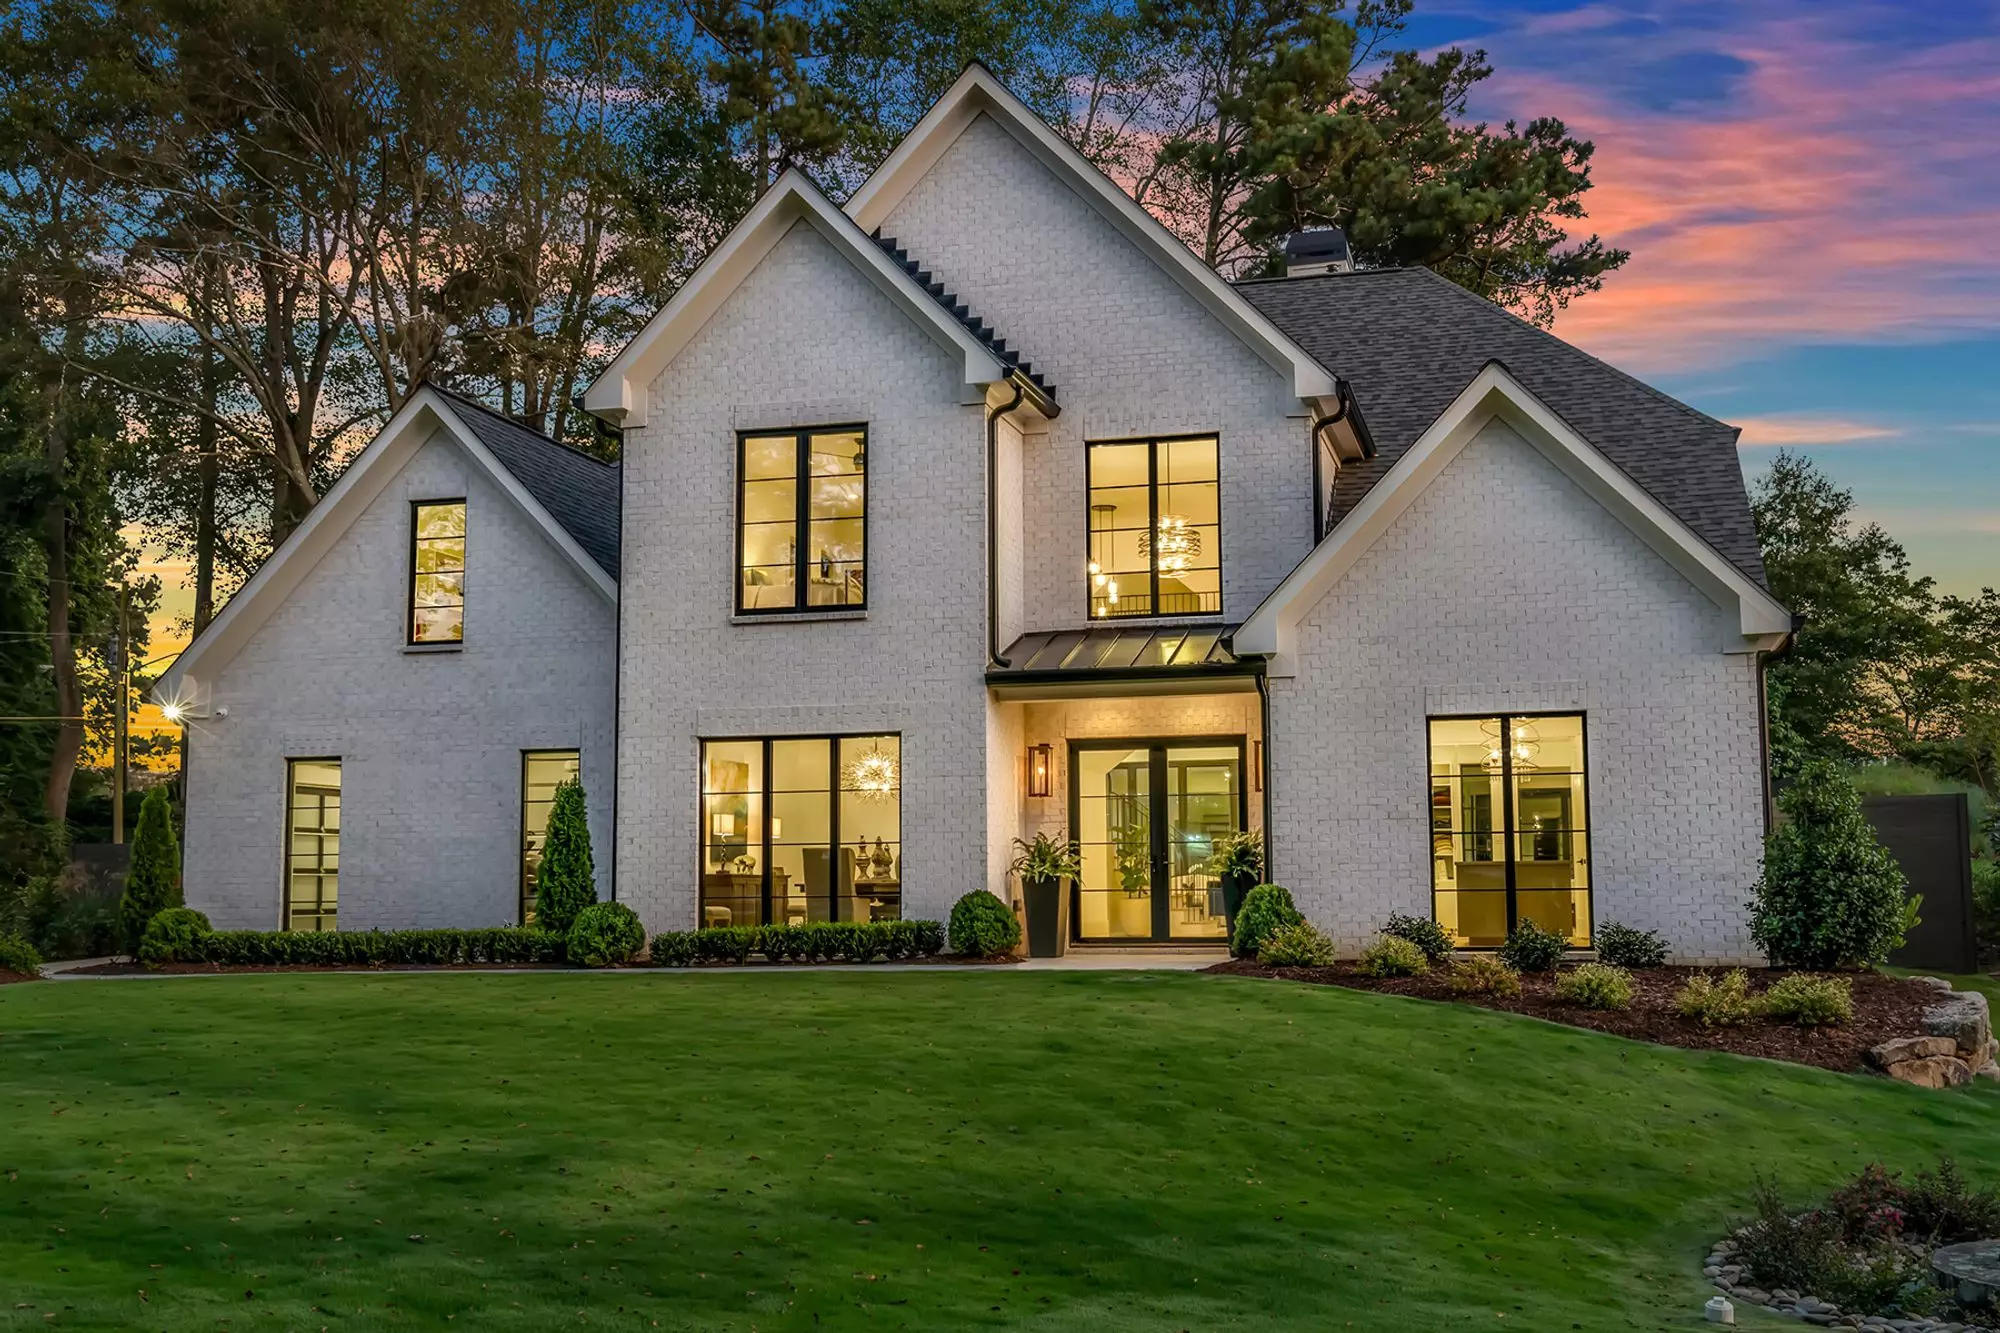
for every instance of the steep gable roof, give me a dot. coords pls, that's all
(1495, 394)
(619, 394)
(977, 92)
(425, 414)
(580, 492)
(1409, 341)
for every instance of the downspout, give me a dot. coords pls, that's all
(1764, 660)
(1264, 726)
(993, 523)
(1343, 402)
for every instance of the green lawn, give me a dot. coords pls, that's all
(890, 1150)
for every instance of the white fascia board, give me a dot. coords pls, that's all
(978, 92)
(619, 395)
(421, 418)
(1272, 629)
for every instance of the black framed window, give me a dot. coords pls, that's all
(1510, 826)
(802, 520)
(312, 844)
(437, 571)
(542, 771)
(801, 828)
(1155, 527)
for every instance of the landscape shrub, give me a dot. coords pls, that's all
(982, 926)
(1869, 1207)
(18, 956)
(1483, 974)
(604, 934)
(1300, 945)
(1628, 946)
(1797, 1251)
(1830, 895)
(1717, 1004)
(1596, 986)
(812, 942)
(1811, 1002)
(174, 936)
(1529, 948)
(153, 879)
(1944, 1208)
(1986, 907)
(1423, 932)
(565, 882)
(71, 915)
(376, 948)
(1392, 956)
(1266, 909)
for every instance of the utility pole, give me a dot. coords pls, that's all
(120, 741)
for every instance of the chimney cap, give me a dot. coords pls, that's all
(1317, 250)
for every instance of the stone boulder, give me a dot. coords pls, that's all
(1967, 1020)
(1892, 1053)
(1933, 1071)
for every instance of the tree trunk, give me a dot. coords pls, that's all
(208, 471)
(62, 647)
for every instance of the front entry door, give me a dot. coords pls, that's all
(1147, 814)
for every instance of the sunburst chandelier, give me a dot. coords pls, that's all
(874, 776)
(1175, 545)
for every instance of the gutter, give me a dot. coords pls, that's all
(1764, 660)
(993, 519)
(1345, 409)
(1264, 726)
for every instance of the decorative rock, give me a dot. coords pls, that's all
(1910, 1048)
(1935, 983)
(1937, 1071)
(1970, 1271)
(1965, 1018)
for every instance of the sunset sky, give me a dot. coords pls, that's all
(1811, 194)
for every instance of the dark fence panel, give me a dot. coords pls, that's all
(1931, 838)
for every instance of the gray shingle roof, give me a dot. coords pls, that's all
(1409, 341)
(579, 491)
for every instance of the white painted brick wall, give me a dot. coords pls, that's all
(430, 743)
(805, 340)
(1505, 587)
(1130, 353)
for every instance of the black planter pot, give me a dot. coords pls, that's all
(1048, 923)
(1236, 886)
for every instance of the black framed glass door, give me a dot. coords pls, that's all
(1147, 814)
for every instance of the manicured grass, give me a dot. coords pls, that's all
(890, 1150)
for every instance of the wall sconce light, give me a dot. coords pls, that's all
(1256, 765)
(1041, 768)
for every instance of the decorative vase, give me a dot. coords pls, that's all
(883, 860)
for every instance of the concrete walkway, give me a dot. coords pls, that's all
(1092, 960)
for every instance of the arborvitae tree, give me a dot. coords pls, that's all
(153, 883)
(1831, 894)
(565, 884)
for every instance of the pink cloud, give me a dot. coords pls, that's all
(1842, 192)
(1786, 431)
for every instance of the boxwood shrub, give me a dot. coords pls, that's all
(375, 948)
(1628, 946)
(813, 942)
(1423, 932)
(1811, 1002)
(982, 926)
(1303, 945)
(605, 933)
(1266, 909)
(1529, 948)
(1392, 956)
(1595, 986)
(174, 936)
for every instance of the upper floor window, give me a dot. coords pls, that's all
(1155, 528)
(802, 520)
(437, 571)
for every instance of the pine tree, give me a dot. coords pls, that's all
(153, 883)
(565, 883)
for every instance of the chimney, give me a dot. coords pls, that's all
(1318, 250)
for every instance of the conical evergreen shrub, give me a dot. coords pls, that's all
(1831, 895)
(153, 883)
(566, 883)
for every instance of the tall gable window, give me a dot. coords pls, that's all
(802, 520)
(542, 771)
(312, 844)
(437, 571)
(1155, 528)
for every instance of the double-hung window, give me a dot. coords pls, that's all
(437, 571)
(802, 520)
(1155, 528)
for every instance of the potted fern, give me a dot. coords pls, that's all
(1237, 859)
(1042, 866)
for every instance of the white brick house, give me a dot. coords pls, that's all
(978, 507)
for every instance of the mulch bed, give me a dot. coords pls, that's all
(6, 976)
(1884, 1008)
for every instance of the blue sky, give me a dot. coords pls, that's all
(1811, 193)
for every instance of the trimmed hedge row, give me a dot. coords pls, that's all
(363, 948)
(814, 942)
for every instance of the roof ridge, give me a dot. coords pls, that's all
(465, 400)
